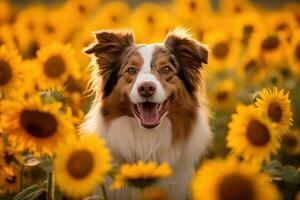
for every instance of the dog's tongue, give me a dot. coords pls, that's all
(149, 114)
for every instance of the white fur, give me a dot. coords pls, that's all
(129, 142)
(145, 75)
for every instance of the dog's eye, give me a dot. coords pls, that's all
(165, 70)
(131, 70)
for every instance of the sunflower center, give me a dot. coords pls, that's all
(236, 187)
(291, 141)
(5, 73)
(221, 50)
(49, 28)
(1, 42)
(270, 43)
(150, 19)
(54, 66)
(257, 133)
(114, 18)
(222, 96)
(193, 5)
(81, 8)
(282, 26)
(297, 52)
(38, 124)
(275, 112)
(80, 164)
(237, 9)
(251, 68)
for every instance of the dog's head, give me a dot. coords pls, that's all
(147, 81)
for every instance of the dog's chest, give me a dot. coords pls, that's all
(130, 142)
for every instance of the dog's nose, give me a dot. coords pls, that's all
(147, 89)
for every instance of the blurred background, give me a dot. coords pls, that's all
(254, 45)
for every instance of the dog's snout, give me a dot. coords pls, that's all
(147, 89)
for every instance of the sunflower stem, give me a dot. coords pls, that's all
(21, 177)
(50, 186)
(104, 192)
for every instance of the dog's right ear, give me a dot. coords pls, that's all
(110, 42)
(107, 49)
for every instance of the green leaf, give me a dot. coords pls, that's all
(30, 160)
(23, 195)
(275, 168)
(291, 174)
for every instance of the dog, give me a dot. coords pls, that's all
(150, 103)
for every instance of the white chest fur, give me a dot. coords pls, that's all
(129, 142)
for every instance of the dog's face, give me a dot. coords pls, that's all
(147, 81)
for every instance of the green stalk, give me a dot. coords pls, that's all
(50, 186)
(104, 192)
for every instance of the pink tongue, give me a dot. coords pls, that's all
(149, 113)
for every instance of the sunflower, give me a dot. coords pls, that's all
(251, 135)
(11, 75)
(144, 20)
(81, 8)
(141, 174)
(57, 62)
(35, 125)
(230, 179)
(282, 22)
(224, 50)
(294, 52)
(276, 106)
(292, 142)
(235, 7)
(113, 15)
(81, 165)
(271, 48)
(251, 69)
(191, 9)
(246, 26)
(223, 97)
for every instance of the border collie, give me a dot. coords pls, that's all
(150, 103)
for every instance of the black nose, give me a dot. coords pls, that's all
(147, 89)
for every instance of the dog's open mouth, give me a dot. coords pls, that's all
(150, 113)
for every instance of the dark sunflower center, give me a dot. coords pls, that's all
(257, 133)
(38, 124)
(236, 187)
(270, 43)
(1, 42)
(237, 9)
(49, 28)
(80, 164)
(150, 19)
(81, 8)
(275, 112)
(192, 5)
(55, 66)
(114, 18)
(282, 26)
(30, 26)
(222, 96)
(5, 73)
(297, 52)
(221, 50)
(291, 141)
(251, 68)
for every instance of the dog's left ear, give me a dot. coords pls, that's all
(190, 55)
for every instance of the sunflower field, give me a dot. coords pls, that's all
(253, 86)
